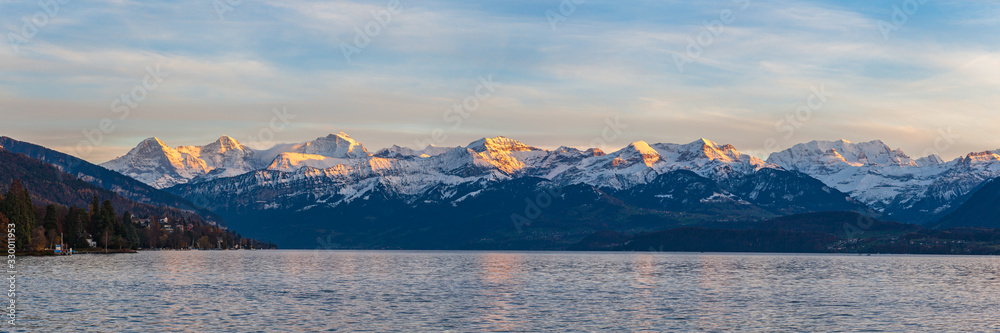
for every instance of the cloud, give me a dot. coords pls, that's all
(557, 86)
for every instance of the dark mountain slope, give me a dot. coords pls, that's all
(49, 185)
(104, 178)
(982, 209)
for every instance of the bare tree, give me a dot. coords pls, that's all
(106, 237)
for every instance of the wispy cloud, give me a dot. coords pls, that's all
(607, 58)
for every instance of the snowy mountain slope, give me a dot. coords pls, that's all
(335, 181)
(981, 210)
(887, 179)
(334, 145)
(295, 161)
(404, 152)
(639, 163)
(462, 172)
(156, 164)
(396, 198)
(871, 172)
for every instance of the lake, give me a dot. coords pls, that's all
(404, 291)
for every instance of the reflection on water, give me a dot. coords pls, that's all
(500, 279)
(489, 291)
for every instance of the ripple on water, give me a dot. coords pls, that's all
(508, 291)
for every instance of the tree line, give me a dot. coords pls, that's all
(73, 226)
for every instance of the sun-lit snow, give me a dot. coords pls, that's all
(155, 163)
(294, 161)
(870, 172)
(880, 176)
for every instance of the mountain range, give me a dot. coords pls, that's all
(160, 166)
(336, 175)
(887, 180)
(499, 193)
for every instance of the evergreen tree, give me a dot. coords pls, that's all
(108, 219)
(104, 221)
(69, 223)
(20, 211)
(82, 217)
(73, 234)
(51, 221)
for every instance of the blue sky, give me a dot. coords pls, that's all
(932, 86)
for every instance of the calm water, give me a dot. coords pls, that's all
(292, 291)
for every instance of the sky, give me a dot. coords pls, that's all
(94, 78)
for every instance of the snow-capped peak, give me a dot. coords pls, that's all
(646, 152)
(323, 152)
(223, 144)
(507, 155)
(642, 147)
(703, 142)
(887, 178)
(154, 162)
(984, 157)
(703, 151)
(884, 178)
(930, 160)
(339, 145)
(704, 148)
(151, 143)
(874, 152)
(498, 144)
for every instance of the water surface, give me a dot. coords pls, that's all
(291, 291)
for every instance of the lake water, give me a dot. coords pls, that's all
(291, 291)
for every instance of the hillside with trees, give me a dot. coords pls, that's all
(46, 206)
(99, 228)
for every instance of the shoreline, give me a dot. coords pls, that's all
(50, 253)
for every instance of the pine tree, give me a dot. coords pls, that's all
(81, 218)
(20, 211)
(73, 234)
(50, 226)
(51, 221)
(109, 220)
